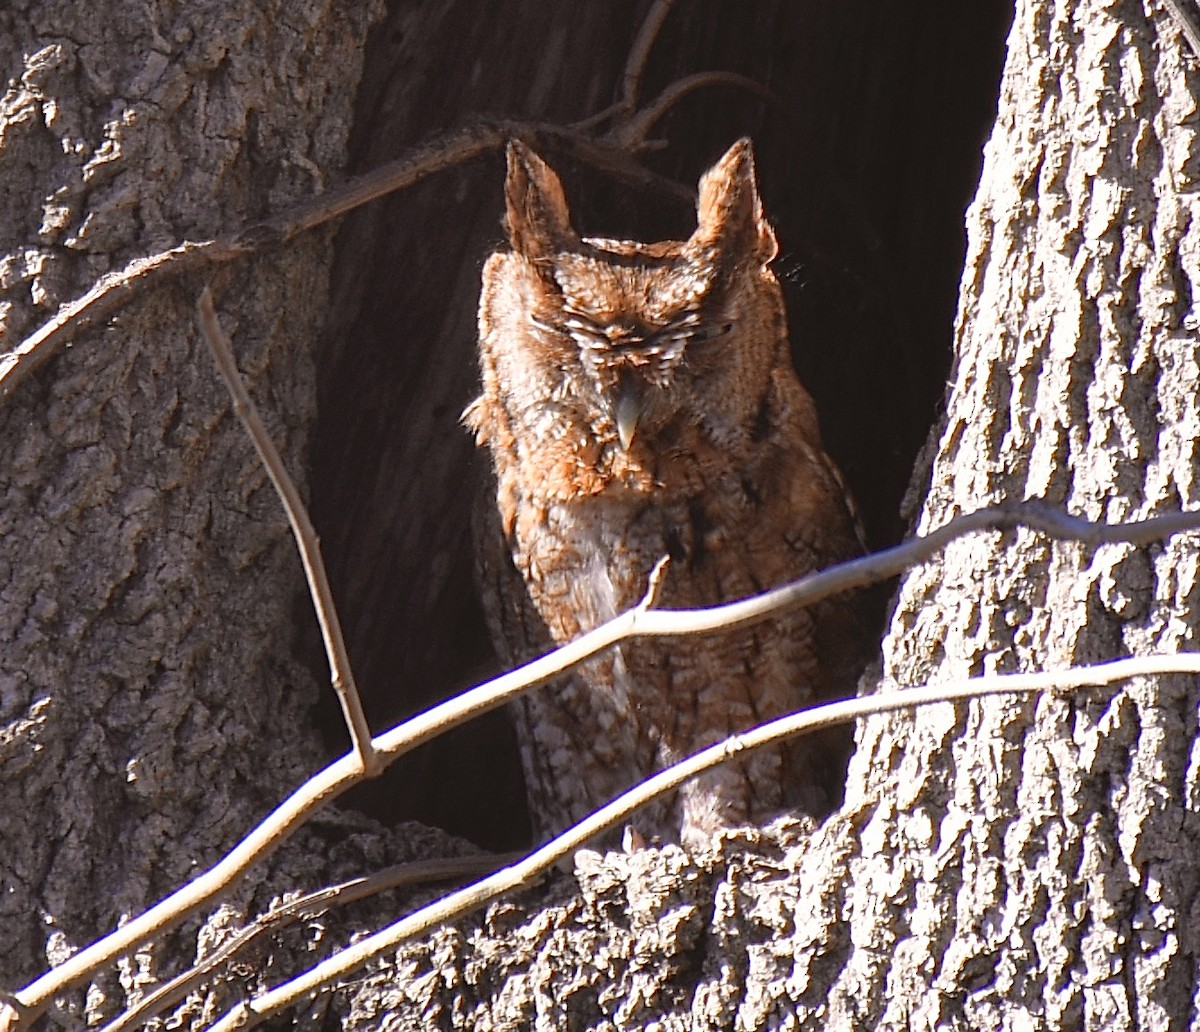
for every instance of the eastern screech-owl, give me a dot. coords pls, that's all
(639, 401)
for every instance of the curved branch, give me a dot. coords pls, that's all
(639, 53)
(117, 289)
(632, 133)
(110, 293)
(30, 1002)
(457, 904)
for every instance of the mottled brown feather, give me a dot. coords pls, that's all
(685, 342)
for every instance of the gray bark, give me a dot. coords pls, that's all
(151, 710)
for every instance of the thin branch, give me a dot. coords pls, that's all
(446, 151)
(631, 133)
(1184, 13)
(117, 289)
(457, 904)
(654, 584)
(306, 907)
(339, 776)
(307, 544)
(890, 562)
(639, 53)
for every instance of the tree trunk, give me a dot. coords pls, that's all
(151, 709)
(1043, 847)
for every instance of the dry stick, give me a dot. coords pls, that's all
(306, 907)
(639, 53)
(457, 904)
(632, 133)
(29, 1002)
(115, 290)
(446, 151)
(307, 543)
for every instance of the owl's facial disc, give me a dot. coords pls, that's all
(632, 359)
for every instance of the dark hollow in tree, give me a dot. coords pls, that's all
(867, 159)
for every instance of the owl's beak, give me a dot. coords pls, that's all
(628, 409)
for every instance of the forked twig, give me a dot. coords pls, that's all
(250, 1013)
(307, 543)
(631, 124)
(29, 1002)
(635, 66)
(631, 133)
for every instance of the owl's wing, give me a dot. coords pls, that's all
(517, 631)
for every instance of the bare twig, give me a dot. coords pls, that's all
(115, 290)
(631, 133)
(339, 776)
(639, 53)
(635, 65)
(457, 904)
(307, 543)
(629, 125)
(306, 907)
(443, 152)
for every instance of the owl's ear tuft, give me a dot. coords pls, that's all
(729, 216)
(539, 222)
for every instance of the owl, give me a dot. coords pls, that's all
(638, 401)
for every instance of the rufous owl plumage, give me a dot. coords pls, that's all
(638, 400)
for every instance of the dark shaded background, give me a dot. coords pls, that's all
(867, 158)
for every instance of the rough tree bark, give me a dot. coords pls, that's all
(1048, 848)
(151, 709)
